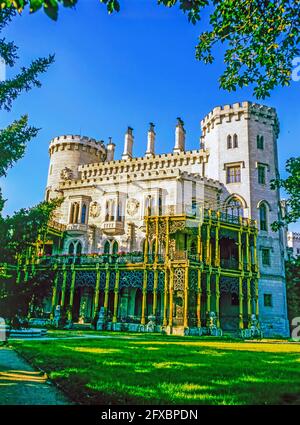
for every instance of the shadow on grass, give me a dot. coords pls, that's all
(169, 371)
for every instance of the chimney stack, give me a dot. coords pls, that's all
(179, 137)
(127, 154)
(151, 140)
(110, 150)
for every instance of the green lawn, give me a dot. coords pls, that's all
(169, 370)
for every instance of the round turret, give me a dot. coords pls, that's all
(67, 153)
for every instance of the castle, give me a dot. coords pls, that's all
(180, 240)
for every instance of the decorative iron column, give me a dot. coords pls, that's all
(199, 293)
(64, 286)
(241, 298)
(218, 299)
(208, 293)
(171, 288)
(106, 290)
(144, 299)
(116, 299)
(249, 300)
(166, 286)
(54, 292)
(73, 279)
(186, 298)
(155, 284)
(97, 290)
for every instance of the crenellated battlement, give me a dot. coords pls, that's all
(238, 111)
(76, 142)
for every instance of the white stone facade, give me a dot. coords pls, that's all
(105, 199)
(293, 243)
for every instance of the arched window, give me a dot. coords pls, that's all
(263, 217)
(260, 142)
(235, 141)
(78, 248)
(83, 214)
(234, 207)
(229, 142)
(71, 248)
(107, 247)
(115, 247)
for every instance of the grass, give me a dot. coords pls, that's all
(149, 369)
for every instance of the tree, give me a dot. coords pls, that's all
(292, 268)
(291, 185)
(20, 230)
(261, 37)
(14, 138)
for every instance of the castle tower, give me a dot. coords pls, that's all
(67, 153)
(242, 143)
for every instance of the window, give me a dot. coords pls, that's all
(234, 207)
(298, 251)
(71, 248)
(233, 174)
(268, 300)
(261, 169)
(83, 214)
(115, 247)
(229, 142)
(235, 141)
(265, 255)
(263, 217)
(74, 212)
(160, 206)
(79, 248)
(106, 247)
(260, 142)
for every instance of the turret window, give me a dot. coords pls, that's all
(235, 141)
(232, 141)
(260, 142)
(229, 142)
(263, 217)
(261, 170)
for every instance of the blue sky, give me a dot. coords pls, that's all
(113, 71)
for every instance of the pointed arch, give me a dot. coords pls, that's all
(106, 247)
(235, 141)
(229, 142)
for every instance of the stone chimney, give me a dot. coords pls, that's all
(151, 140)
(127, 154)
(179, 137)
(110, 150)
